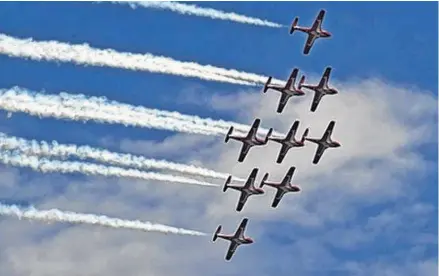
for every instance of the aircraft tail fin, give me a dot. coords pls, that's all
(228, 134)
(264, 179)
(294, 24)
(270, 131)
(226, 184)
(305, 134)
(266, 84)
(301, 82)
(215, 236)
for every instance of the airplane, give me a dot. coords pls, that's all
(247, 190)
(321, 89)
(324, 142)
(235, 240)
(289, 141)
(314, 32)
(287, 91)
(250, 140)
(282, 187)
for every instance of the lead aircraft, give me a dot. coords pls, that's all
(289, 141)
(250, 140)
(283, 187)
(246, 190)
(286, 91)
(320, 89)
(235, 240)
(314, 32)
(324, 142)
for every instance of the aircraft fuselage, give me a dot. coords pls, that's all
(322, 90)
(317, 33)
(255, 142)
(241, 240)
(249, 191)
(326, 143)
(251, 142)
(293, 143)
(287, 91)
(290, 143)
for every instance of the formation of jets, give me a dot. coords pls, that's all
(288, 141)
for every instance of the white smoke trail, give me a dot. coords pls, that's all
(55, 215)
(45, 165)
(54, 149)
(101, 110)
(67, 107)
(200, 11)
(86, 55)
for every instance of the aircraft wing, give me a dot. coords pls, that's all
(251, 179)
(292, 79)
(254, 129)
(317, 25)
(244, 196)
(292, 131)
(282, 102)
(309, 43)
(316, 100)
(288, 176)
(232, 248)
(328, 130)
(244, 150)
(277, 198)
(283, 151)
(325, 77)
(318, 155)
(241, 228)
(242, 200)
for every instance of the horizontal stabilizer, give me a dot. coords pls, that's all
(226, 185)
(266, 84)
(218, 230)
(264, 179)
(228, 134)
(294, 24)
(270, 131)
(301, 82)
(305, 134)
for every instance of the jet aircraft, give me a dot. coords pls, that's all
(282, 188)
(236, 239)
(286, 91)
(324, 142)
(321, 89)
(289, 141)
(250, 140)
(246, 190)
(314, 32)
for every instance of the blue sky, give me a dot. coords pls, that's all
(395, 42)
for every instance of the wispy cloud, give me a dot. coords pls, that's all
(85, 55)
(46, 166)
(200, 11)
(55, 215)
